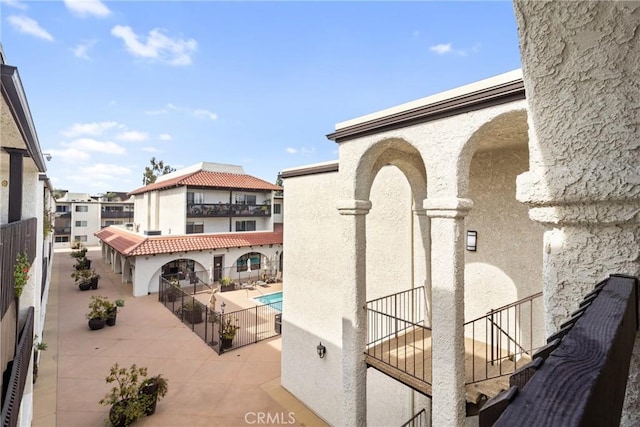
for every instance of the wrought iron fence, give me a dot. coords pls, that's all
(397, 334)
(222, 331)
(504, 335)
(19, 370)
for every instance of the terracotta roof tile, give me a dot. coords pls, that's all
(211, 179)
(130, 244)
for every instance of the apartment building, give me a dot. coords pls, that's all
(212, 219)
(25, 245)
(79, 216)
(480, 196)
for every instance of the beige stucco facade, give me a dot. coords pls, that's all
(405, 198)
(580, 63)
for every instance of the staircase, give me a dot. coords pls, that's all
(496, 344)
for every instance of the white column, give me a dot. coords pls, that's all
(447, 278)
(354, 320)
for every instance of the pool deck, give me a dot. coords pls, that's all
(205, 389)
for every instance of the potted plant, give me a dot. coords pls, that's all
(112, 311)
(172, 292)
(152, 390)
(93, 279)
(38, 346)
(228, 329)
(82, 263)
(97, 313)
(79, 253)
(82, 278)
(20, 273)
(124, 397)
(226, 284)
(192, 311)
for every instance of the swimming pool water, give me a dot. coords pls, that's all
(274, 300)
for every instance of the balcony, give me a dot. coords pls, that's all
(62, 231)
(200, 210)
(116, 214)
(15, 237)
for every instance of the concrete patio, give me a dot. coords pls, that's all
(205, 389)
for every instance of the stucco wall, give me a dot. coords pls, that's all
(172, 211)
(507, 264)
(314, 283)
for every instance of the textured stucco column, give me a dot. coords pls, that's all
(354, 320)
(421, 264)
(580, 67)
(447, 278)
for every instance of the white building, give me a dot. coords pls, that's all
(79, 216)
(25, 229)
(411, 182)
(205, 218)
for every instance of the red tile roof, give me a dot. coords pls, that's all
(213, 180)
(130, 244)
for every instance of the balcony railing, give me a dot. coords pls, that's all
(62, 231)
(226, 210)
(116, 214)
(16, 237)
(19, 370)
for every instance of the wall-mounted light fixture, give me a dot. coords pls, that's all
(321, 350)
(472, 240)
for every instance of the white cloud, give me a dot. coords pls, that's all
(165, 137)
(81, 49)
(158, 46)
(15, 3)
(291, 150)
(105, 171)
(88, 144)
(69, 155)
(205, 114)
(94, 128)
(26, 25)
(441, 49)
(87, 8)
(133, 135)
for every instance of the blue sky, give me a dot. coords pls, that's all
(259, 84)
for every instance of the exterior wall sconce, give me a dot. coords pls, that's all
(321, 350)
(472, 240)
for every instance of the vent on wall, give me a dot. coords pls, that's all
(152, 232)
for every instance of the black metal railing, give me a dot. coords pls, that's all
(226, 209)
(418, 420)
(19, 370)
(397, 333)
(254, 324)
(192, 282)
(15, 238)
(116, 214)
(62, 231)
(502, 337)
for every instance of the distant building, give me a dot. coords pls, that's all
(211, 219)
(25, 232)
(79, 216)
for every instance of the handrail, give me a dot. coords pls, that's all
(418, 420)
(505, 307)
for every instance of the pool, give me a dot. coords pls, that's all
(274, 300)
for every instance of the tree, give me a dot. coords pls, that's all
(157, 169)
(279, 183)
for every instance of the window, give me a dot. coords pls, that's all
(255, 257)
(62, 239)
(195, 227)
(81, 238)
(245, 199)
(81, 223)
(62, 208)
(245, 226)
(82, 208)
(193, 197)
(108, 223)
(277, 208)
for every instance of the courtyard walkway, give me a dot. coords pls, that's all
(205, 389)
